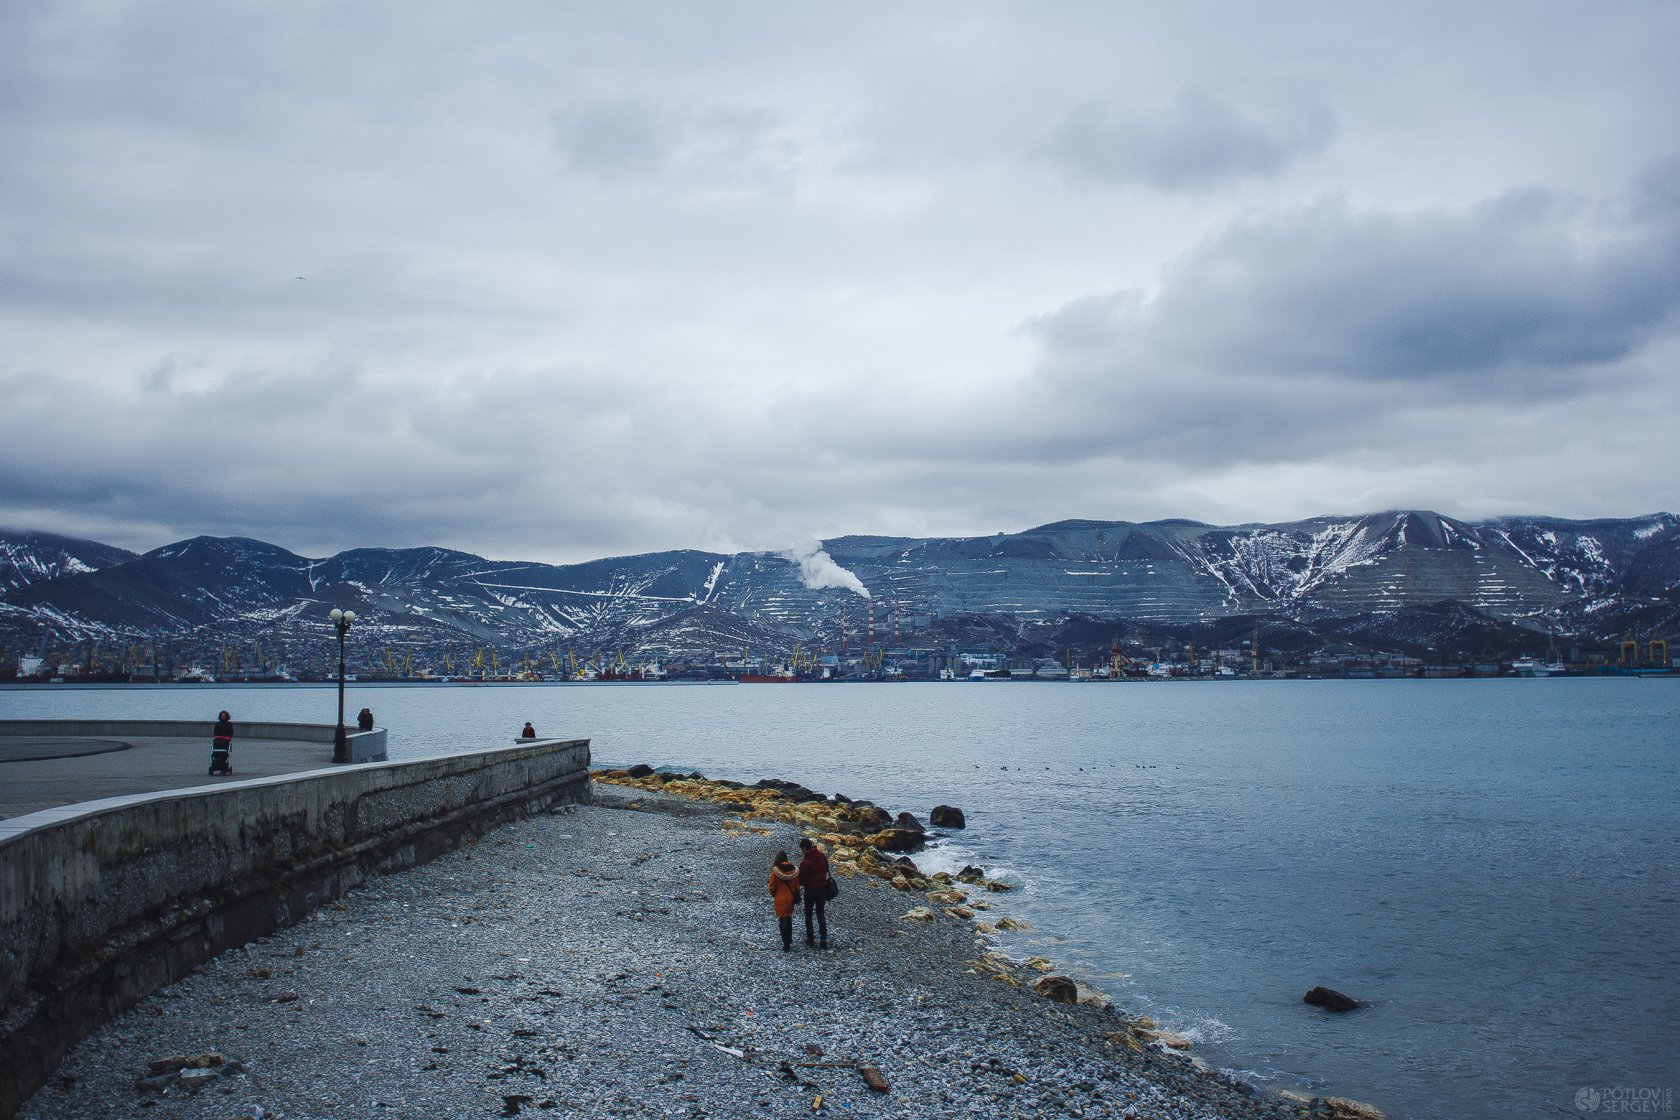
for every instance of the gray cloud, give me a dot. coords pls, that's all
(696, 147)
(1524, 294)
(1518, 285)
(621, 137)
(1197, 143)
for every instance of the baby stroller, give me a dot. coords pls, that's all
(221, 747)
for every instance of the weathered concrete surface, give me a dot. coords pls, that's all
(198, 728)
(104, 902)
(162, 755)
(365, 746)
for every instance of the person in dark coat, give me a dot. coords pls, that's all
(813, 883)
(529, 732)
(221, 745)
(364, 720)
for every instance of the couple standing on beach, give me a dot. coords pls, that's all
(812, 880)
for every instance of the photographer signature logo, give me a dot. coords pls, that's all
(1625, 1100)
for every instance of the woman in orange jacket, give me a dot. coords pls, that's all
(784, 892)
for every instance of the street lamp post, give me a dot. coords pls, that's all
(341, 621)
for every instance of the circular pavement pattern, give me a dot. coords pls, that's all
(26, 749)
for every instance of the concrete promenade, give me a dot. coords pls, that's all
(59, 773)
(141, 866)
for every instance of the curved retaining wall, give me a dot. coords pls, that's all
(103, 903)
(365, 746)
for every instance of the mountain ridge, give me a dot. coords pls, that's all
(1326, 576)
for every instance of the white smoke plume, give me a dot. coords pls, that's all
(818, 569)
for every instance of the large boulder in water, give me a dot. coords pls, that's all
(1330, 999)
(947, 816)
(909, 823)
(640, 770)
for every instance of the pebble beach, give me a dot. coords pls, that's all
(621, 960)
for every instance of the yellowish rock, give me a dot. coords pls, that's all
(1091, 997)
(1125, 1040)
(919, 914)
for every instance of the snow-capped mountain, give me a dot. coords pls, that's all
(1377, 573)
(27, 558)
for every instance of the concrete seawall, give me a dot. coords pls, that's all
(104, 902)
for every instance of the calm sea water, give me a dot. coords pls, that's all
(1493, 864)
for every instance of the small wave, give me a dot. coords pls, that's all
(943, 855)
(1205, 1030)
(1252, 1076)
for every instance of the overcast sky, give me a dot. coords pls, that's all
(557, 281)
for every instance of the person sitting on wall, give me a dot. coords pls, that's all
(364, 720)
(529, 732)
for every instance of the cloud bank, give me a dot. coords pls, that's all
(579, 283)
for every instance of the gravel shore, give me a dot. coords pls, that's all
(613, 961)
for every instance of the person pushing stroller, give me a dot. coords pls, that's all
(221, 746)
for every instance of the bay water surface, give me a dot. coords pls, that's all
(1493, 865)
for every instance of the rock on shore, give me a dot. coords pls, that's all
(607, 961)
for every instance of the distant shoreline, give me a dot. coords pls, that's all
(365, 682)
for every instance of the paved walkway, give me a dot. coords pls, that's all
(89, 768)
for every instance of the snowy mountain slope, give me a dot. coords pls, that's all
(1540, 573)
(27, 558)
